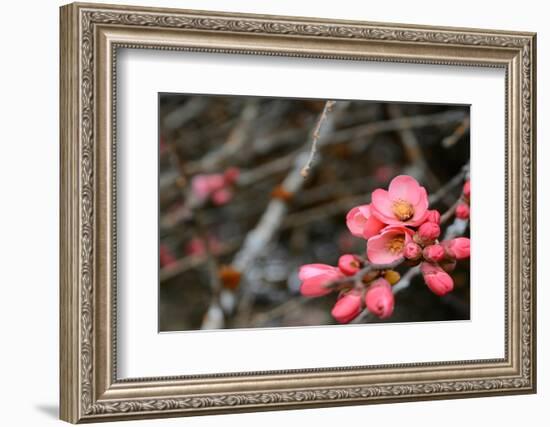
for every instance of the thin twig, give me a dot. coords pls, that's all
(315, 137)
(358, 277)
(458, 133)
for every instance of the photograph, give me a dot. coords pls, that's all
(291, 192)
(283, 212)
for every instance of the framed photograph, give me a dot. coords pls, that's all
(266, 212)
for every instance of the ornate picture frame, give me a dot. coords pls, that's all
(90, 37)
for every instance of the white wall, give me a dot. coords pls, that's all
(29, 169)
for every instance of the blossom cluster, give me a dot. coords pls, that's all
(399, 229)
(215, 187)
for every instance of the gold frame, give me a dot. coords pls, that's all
(90, 36)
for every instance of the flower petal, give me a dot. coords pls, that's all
(420, 209)
(382, 205)
(355, 220)
(311, 270)
(372, 227)
(405, 187)
(377, 250)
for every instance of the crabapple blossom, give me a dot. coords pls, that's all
(231, 175)
(348, 264)
(462, 211)
(400, 231)
(203, 185)
(222, 196)
(389, 245)
(429, 231)
(458, 248)
(362, 223)
(404, 203)
(379, 298)
(347, 307)
(412, 251)
(215, 186)
(434, 253)
(466, 189)
(433, 216)
(314, 277)
(437, 279)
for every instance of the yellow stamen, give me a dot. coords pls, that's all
(402, 210)
(395, 245)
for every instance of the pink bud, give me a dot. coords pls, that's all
(222, 196)
(434, 253)
(433, 216)
(466, 189)
(347, 307)
(462, 211)
(379, 299)
(429, 231)
(315, 277)
(204, 185)
(200, 185)
(349, 264)
(459, 248)
(439, 282)
(231, 175)
(412, 251)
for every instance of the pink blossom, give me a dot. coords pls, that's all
(203, 185)
(349, 264)
(222, 196)
(314, 277)
(429, 231)
(389, 245)
(379, 298)
(458, 248)
(434, 253)
(466, 189)
(405, 202)
(412, 251)
(462, 211)
(439, 282)
(196, 246)
(231, 175)
(347, 307)
(361, 222)
(433, 216)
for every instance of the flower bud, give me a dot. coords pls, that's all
(392, 277)
(459, 248)
(379, 299)
(429, 231)
(316, 277)
(466, 189)
(349, 264)
(462, 211)
(221, 197)
(412, 251)
(439, 282)
(347, 307)
(433, 253)
(433, 216)
(231, 175)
